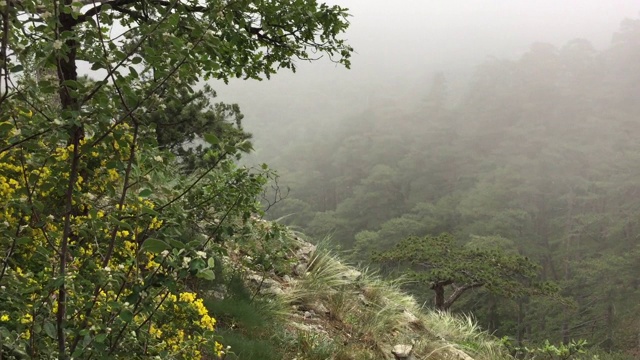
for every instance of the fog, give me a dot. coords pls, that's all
(504, 123)
(400, 44)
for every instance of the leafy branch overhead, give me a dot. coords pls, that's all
(440, 262)
(220, 39)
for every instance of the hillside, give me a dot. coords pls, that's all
(310, 305)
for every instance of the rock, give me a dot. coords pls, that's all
(311, 328)
(287, 279)
(317, 307)
(262, 281)
(309, 314)
(305, 251)
(409, 316)
(412, 320)
(303, 327)
(272, 291)
(255, 278)
(458, 354)
(363, 299)
(351, 275)
(403, 352)
(265, 285)
(300, 269)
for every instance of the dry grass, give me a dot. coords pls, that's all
(367, 316)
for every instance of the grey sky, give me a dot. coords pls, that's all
(400, 43)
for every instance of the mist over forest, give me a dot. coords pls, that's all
(450, 179)
(512, 126)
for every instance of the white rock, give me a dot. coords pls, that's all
(351, 275)
(403, 351)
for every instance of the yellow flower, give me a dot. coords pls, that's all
(187, 297)
(26, 319)
(152, 265)
(208, 322)
(5, 318)
(153, 330)
(28, 114)
(219, 349)
(113, 175)
(155, 223)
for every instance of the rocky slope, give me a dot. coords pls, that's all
(329, 310)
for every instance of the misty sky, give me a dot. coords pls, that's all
(400, 43)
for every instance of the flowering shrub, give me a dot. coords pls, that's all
(104, 239)
(126, 268)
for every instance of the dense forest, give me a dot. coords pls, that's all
(538, 157)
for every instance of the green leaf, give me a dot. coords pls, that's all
(197, 264)
(97, 66)
(5, 127)
(246, 146)
(122, 224)
(145, 193)
(155, 246)
(206, 274)
(100, 338)
(211, 263)
(16, 68)
(50, 330)
(150, 211)
(176, 244)
(71, 83)
(133, 72)
(86, 340)
(126, 316)
(24, 240)
(212, 139)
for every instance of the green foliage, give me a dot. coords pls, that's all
(184, 122)
(246, 324)
(312, 346)
(106, 241)
(535, 156)
(547, 351)
(439, 262)
(250, 348)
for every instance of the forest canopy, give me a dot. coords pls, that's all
(537, 155)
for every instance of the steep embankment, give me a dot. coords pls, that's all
(309, 305)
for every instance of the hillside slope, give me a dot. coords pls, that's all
(307, 304)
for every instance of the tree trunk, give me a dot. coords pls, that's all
(439, 297)
(493, 320)
(67, 71)
(520, 333)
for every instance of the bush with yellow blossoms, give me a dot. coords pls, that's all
(138, 248)
(107, 233)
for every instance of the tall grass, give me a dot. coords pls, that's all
(463, 332)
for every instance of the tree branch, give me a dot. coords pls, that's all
(458, 291)
(98, 8)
